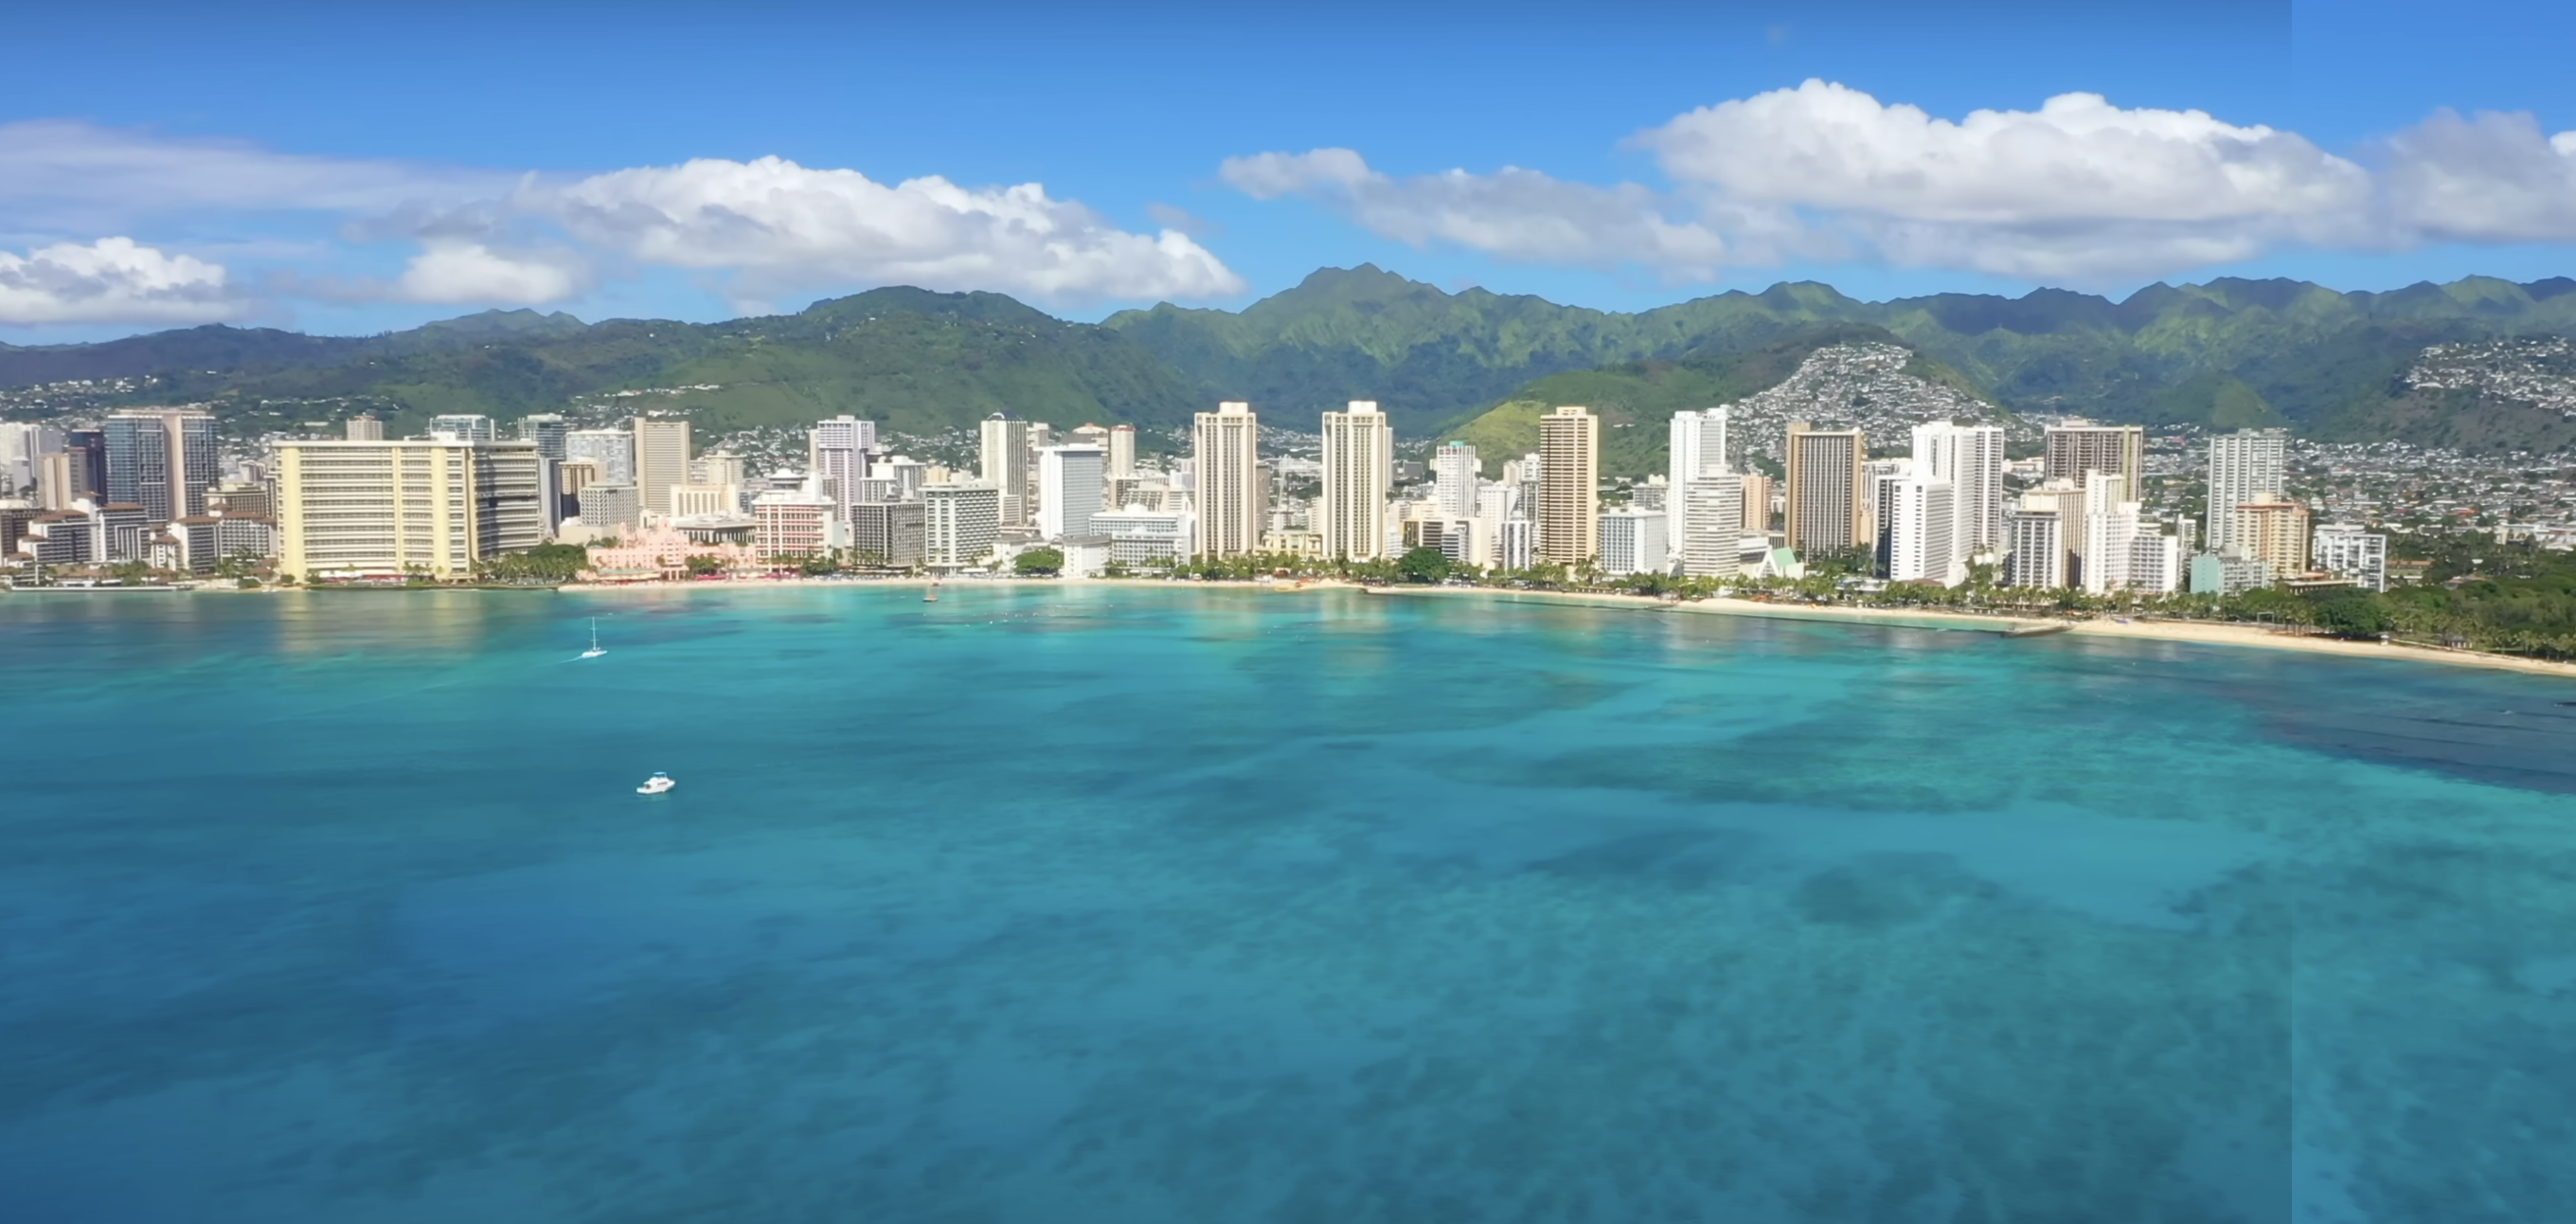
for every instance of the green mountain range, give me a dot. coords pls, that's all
(2227, 353)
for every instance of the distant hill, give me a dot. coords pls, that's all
(2227, 353)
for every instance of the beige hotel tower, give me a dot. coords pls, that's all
(1225, 463)
(1822, 500)
(1569, 476)
(1359, 472)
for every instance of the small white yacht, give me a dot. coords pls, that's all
(596, 649)
(656, 784)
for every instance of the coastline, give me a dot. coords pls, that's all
(2189, 632)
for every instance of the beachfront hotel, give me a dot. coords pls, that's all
(1569, 475)
(1359, 466)
(1225, 466)
(431, 506)
(1828, 511)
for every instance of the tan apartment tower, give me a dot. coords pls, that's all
(2118, 450)
(1822, 502)
(1359, 471)
(1225, 463)
(2273, 531)
(661, 461)
(1122, 452)
(432, 506)
(1569, 478)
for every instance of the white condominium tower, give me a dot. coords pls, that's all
(1359, 470)
(2244, 467)
(2078, 447)
(612, 451)
(1827, 510)
(1698, 449)
(661, 461)
(836, 452)
(1454, 472)
(1569, 507)
(1921, 540)
(1713, 526)
(959, 522)
(1971, 458)
(1003, 462)
(1225, 468)
(1069, 485)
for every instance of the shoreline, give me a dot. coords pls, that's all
(2199, 633)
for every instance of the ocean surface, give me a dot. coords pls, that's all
(1142, 906)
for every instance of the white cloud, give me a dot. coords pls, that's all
(67, 174)
(2076, 159)
(473, 273)
(779, 226)
(2486, 178)
(112, 280)
(1514, 214)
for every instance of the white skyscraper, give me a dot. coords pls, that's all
(1002, 459)
(1971, 458)
(1712, 526)
(1359, 470)
(836, 453)
(1632, 542)
(1454, 472)
(959, 522)
(1225, 468)
(1698, 449)
(2245, 466)
(1069, 484)
(2351, 552)
(1921, 543)
(2110, 523)
(2037, 553)
(2155, 564)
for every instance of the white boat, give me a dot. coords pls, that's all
(596, 649)
(656, 784)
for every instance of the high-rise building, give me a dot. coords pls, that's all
(1825, 508)
(1922, 545)
(1225, 469)
(466, 426)
(1879, 478)
(1569, 479)
(2110, 523)
(1359, 470)
(2037, 548)
(2352, 552)
(365, 428)
(1069, 486)
(891, 532)
(23, 447)
(162, 459)
(1001, 460)
(1698, 448)
(1122, 452)
(1971, 458)
(2249, 465)
(1454, 475)
(2155, 564)
(793, 525)
(547, 430)
(836, 452)
(2274, 532)
(1759, 491)
(384, 508)
(959, 522)
(612, 451)
(2067, 500)
(661, 459)
(610, 504)
(2228, 573)
(2077, 447)
(1632, 542)
(1712, 508)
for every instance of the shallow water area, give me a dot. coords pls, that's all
(1138, 905)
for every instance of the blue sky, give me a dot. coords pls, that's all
(351, 169)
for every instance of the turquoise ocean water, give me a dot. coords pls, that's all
(1093, 905)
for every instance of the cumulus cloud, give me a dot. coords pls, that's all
(2485, 178)
(112, 280)
(1514, 214)
(778, 226)
(473, 273)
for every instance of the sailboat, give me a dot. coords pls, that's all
(596, 649)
